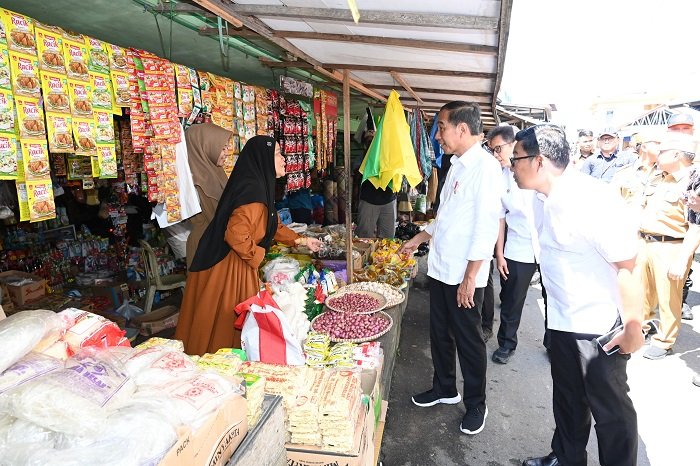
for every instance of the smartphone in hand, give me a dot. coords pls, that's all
(605, 339)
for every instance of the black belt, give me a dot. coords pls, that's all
(659, 238)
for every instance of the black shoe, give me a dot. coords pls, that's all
(502, 355)
(474, 421)
(655, 353)
(488, 333)
(549, 460)
(686, 312)
(430, 398)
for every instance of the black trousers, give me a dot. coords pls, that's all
(513, 294)
(488, 309)
(587, 381)
(453, 327)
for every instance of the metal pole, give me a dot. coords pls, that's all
(348, 175)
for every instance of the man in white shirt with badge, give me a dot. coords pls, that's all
(588, 251)
(463, 237)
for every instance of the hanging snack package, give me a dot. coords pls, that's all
(5, 81)
(50, 48)
(98, 58)
(19, 31)
(104, 127)
(40, 199)
(117, 57)
(102, 96)
(7, 112)
(95, 168)
(8, 157)
(35, 157)
(120, 84)
(23, 201)
(80, 94)
(84, 135)
(107, 160)
(25, 74)
(76, 57)
(30, 118)
(60, 133)
(55, 87)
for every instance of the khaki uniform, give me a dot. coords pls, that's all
(662, 229)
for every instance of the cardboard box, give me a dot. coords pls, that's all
(114, 291)
(361, 455)
(151, 327)
(158, 314)
(214, 442)
(23, 293)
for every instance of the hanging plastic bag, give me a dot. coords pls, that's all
(266, 333)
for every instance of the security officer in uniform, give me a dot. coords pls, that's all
(662, 229)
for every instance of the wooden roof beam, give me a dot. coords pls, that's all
(434, 91)
(286, 64)
(392, 41)
(243, 33)
(401, 18)
(399, 79)
(425, 71)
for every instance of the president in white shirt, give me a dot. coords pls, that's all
(588, 245)
(463, 236)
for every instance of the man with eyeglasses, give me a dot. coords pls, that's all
(462, 240)
(588, 248)
(663, 228)
(608, 160)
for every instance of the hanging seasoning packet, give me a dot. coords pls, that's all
(23, 201)
(107, 160)
(98, 59)
(5, 80)
(30, 118)
(102, 96)
(7, 112)
(120, 84)
(35, 158)
(117, 57)
(84, 135)
(50, 47)
(19, 30)
(60, 137)
(40, 200)
(25, 74)
(55, 88)
(76, 57)
(80, 99)
(8, 157)
(104, 127)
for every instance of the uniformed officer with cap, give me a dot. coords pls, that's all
(662, 229)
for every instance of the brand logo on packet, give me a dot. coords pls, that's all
(80, 91)
(55, 84)
(5, 144)
(36, 150)
(100, 82)
(3, 100)
(94, 43)
(83, 127)
(19, 21)
(75, 52)
(103, 119)
(60, 124)
(31, 109)
(25, 65)
(40, 190)
(50, 42)
(106, 152)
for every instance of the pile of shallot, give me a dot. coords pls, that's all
(346, 326)
(358, 303)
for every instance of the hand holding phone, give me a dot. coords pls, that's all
(605, 339)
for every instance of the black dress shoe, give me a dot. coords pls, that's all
(549, 460)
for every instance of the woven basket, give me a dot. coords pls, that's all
(359, 340)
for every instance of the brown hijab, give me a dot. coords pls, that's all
(204, 144)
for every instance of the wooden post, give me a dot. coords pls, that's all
(348, 174)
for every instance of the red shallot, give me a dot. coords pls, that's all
(346, 326)
(354, 302)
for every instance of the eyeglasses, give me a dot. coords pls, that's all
(485, 146)
(498, 149)
(608, 138)
(513, 159)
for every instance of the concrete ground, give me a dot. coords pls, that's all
(520, 422)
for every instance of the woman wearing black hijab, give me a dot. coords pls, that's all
(224, 271)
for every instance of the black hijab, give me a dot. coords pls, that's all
(252, 180)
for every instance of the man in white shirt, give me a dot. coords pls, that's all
(517, 251)
(463, 236)
(588, 250)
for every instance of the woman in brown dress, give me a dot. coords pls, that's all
(224, 271)
(206, 145)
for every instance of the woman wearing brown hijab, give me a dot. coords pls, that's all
(205, 154)
(224, 270)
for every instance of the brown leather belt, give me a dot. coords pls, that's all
(659, 238)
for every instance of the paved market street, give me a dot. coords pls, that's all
(520, 422)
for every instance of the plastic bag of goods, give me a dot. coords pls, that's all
(31, 366)
(91, 330)
(21, 332)
(158, 368)
(281, 270)
(163, 343)
(77, 399)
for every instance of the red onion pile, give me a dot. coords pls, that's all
(345, 326)
(354, 302)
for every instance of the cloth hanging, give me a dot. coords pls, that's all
(436, 145)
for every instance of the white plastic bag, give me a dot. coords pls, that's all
(281, 270)
(21, 332)
(267, 335)
(31, 366)
(158, 367)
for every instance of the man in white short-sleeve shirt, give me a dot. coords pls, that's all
(463, 236)
(588, 250)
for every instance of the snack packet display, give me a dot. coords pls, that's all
(19, 32)
(35, 157)
(5, 76)
(80, 94)
(23, 201)
(55, 87)
(50, 49)
(8, 157)
(76, 58)
(30, 118)
(60, 128)
(102, 96)
(107, 160)
(25, 74)
(7, 112)
(120, 84)
(98, 59)
(84, 135)
(40, 200)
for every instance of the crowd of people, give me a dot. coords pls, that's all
(613, 266)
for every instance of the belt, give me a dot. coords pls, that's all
(659, 238)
